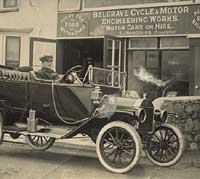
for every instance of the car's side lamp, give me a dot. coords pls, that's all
(96, 95)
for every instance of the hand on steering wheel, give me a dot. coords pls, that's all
(74, 70)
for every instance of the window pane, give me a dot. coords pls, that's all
(69, 4)
(139, 76)
(103, 3)
(176, 65)
(174, 42)
(152, 60)
(136, 59)
(10, 3)
(12, 51)
(143, 43)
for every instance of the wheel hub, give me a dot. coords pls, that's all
(118, 146)
(163, 145)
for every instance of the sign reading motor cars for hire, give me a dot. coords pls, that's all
(167, 20)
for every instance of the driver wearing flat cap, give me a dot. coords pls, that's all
(46, 71)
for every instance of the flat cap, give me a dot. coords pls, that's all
(46, 58)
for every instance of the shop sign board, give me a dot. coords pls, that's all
(165, 20)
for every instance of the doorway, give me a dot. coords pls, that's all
(78, 52)
(107, 53)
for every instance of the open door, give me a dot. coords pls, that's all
(114, 60)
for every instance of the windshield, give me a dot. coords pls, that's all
(105, 77)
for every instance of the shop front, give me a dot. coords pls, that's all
(157, 47)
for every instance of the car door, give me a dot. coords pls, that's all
(67, 101)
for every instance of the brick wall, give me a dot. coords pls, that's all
(188, 110)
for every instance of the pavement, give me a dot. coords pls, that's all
(190, 158)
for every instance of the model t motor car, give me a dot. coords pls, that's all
(119, 122)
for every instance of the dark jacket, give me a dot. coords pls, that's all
(47, 73)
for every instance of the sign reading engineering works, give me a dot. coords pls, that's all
(168, 20)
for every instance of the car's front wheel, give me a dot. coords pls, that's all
(165, 146)
(118, 147)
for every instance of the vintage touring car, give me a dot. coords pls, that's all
(118, 121)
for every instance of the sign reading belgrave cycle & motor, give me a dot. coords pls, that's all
(165, 20)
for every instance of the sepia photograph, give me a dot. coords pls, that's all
(99, 89)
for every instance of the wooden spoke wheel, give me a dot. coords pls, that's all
(40, 142)
(118, 147)
(165, 146)
(14, 135)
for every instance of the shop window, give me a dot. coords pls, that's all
(137, 58)
(149, 60)
(176, 65)
(70, 5)
(152, 63)
(143, 43)
(143, 72)
(9, 3)
(169, 65)
(174, 43)
(12, 55)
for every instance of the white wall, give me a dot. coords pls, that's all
(41, 15)
(34, 18)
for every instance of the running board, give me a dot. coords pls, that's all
(51, 131)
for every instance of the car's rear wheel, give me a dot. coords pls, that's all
(40, 142)
(118, 147)
(165, 146)
(14, 135)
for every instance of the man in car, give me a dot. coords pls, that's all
(46, 71)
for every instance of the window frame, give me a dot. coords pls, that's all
(157, 68)
(6, 48)
(176, 50)
(4, 9)
(72, 9)
(4, 4)
(145, 39)
(184, 47)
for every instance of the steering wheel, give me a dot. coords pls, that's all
(70, 74)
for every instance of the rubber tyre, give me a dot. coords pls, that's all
(135, 136)
(181, 142)
(41, 147)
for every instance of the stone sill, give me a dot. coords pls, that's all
(5, 10)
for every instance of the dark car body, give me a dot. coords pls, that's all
(72, 101)
(47, 110)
